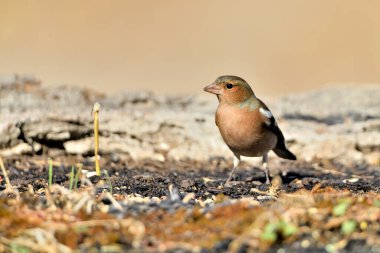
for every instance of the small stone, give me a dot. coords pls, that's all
(351, 180)
(312, 210)
(315, 234)
(115, 158)
(305, 243)
(187, 183)
(188, 197)
(90, 174)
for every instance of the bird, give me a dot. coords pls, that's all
(245, 123)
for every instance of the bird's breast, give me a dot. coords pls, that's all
(243, 132)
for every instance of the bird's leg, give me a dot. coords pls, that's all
(265, 165)
(236, 164)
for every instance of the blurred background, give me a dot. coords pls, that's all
(180, 46)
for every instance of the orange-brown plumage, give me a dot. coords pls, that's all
(240, 131)
(245, 122)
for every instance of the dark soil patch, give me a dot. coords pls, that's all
(152, 178)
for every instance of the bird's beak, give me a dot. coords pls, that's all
(213, 88)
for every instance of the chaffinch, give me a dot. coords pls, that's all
(246, 124)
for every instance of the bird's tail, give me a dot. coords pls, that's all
(283, 152)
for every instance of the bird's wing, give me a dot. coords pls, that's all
(270, 122)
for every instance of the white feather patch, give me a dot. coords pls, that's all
(267, 114)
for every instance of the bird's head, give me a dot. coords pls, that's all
(231, 89)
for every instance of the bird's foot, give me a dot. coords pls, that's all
(227, 184)
(269, 189)
(230, 183)
(264, 188)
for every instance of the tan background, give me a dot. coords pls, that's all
(180, 46)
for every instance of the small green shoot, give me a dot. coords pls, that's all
(348, 227)
(270, 232)
(288, 229)
(95, 113)
(19, 248)
(330, 248)
(283, 228)
(109, 180)
(72, 175)
(77, 175)
(5, 174)
(50, 162)
(341, 208)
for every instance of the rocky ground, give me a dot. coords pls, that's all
(166, 167)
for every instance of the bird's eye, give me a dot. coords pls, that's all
(229, 86)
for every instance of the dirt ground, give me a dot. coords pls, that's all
(183, 206)
(150, 178)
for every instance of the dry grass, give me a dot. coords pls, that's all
(79, 220)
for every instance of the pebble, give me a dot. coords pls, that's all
(305, 243)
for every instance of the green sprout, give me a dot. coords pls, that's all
(50, 162)
(273, 229)
(72, 175)
(341, 208)
(95, 113)
(5, 174)
(77, 175)
(348, 227)
(19, 248)
(109, 180)
(270, 232)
